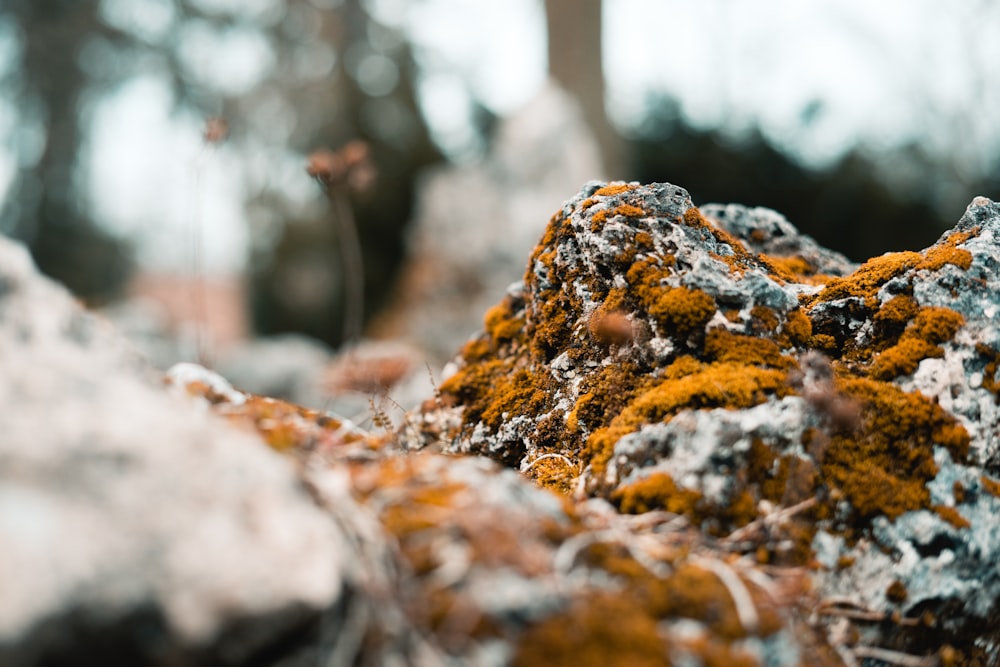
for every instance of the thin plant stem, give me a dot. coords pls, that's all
(351, 261)
(198, 299)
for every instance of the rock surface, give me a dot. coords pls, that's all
(717, 365)
(729, 445)
(136, 528)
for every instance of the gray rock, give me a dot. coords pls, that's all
(719, 365)
(136, 527)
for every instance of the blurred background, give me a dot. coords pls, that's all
(153, 153)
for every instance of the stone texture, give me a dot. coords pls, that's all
(714, 443)
(717, 365)
(136, 527)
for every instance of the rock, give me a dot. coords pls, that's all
(729, 446)
(136, 527)
(719, 366)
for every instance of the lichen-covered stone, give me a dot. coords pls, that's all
(720, 366)
(135, 529)
(753, 451)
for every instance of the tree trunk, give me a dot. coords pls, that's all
(574, 35)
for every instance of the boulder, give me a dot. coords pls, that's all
(137, 528)
(716, 365)
(688, 436)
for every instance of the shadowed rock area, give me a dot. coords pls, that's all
(687, 437)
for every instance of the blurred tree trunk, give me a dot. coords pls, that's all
(49, 216)
(574, 36)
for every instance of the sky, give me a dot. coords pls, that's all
(876, 74)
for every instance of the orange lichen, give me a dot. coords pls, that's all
(696, 592)
(598, 219)
(794, 269)
(288, 427)
(990, 381)
(938, 256)
(724, 384)
(990, 485)
(502, 324)
(951, 515)
(680, 311)
(921, 340)
(884, 466)
(869, 277)
(948, 252)
(739, 258)
(643, 240)
(581, 636)
(625, 210)
(763, 320)
(604, 394)
(656, 491)
(520, 392)
(557, 474)
(896, 592)
(722, 345)
(610, 190)
(797, 327)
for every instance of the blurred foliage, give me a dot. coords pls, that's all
(297, 283)
(331, 74)
(860, 206)
(49, 89)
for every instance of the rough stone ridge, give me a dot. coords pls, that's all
(718, 365)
